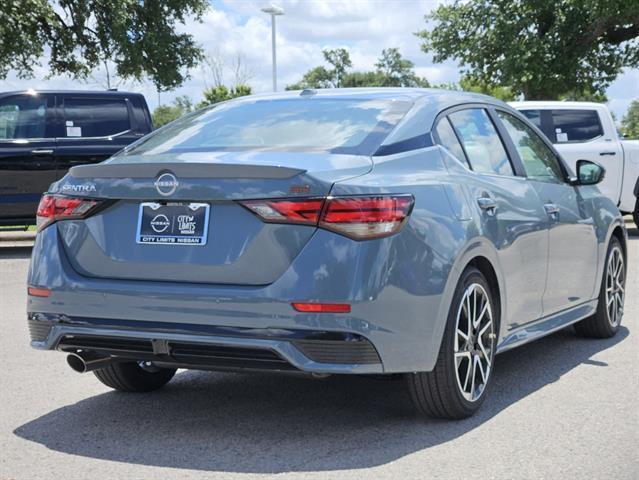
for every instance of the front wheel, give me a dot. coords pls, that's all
(606, 320)
(458, 384)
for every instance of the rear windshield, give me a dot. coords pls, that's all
(349, 126)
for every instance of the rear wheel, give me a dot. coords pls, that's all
(605, 322)
(458, 384)
(134, 376)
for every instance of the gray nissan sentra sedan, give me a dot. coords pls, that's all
(364, 231)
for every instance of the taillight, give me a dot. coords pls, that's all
(306, 211)
(357, 217)
(53, 208)
(366, 217)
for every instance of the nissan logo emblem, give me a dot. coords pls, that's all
(166, 184)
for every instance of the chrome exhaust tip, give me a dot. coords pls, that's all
(84, 362)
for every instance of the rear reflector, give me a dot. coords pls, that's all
(357, 217)
(322, 307)
(38, 292)
(54, 207)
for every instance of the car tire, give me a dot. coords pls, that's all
(448, 391)
(607, 319)
(131, 377)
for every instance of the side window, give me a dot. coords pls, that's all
(576, 125)
(23, 116)
(481, 141)
(95, 117)
(539, 160)
(534, 116)
(448, 139)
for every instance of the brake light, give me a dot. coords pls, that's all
(357, 217)
(53, 208)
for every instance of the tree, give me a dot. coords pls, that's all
(139, 38)
(396, 71)
(392, 70)
(215, 70)
(542, 49)
(322, 77)
(167, 113)
(221, 93)
(630, 121)
(468, 83)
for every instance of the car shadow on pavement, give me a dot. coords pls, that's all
(13, 252)
(264, 423)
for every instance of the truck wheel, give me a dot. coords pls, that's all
(605, 322)
(132, 377)
(458, 384)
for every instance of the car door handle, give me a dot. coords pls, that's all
(607, 153)
(551, 209)
(41, 152)
(487, 204)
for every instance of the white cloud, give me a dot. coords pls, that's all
(365, 27)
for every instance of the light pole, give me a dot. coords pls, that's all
(273, 11)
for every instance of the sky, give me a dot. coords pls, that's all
(237, 28)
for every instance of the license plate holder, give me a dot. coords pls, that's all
(173, 223)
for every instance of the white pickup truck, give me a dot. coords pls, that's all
(584, 130)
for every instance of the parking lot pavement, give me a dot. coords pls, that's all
(563, 407)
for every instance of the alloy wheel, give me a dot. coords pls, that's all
(474, 342)
(615, 286)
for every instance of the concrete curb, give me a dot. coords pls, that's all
(17, 236)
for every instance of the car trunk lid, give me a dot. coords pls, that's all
(240, 249)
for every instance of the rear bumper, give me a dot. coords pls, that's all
(399, 302)
(207, 347)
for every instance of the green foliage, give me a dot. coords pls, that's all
(221, 93)
(630, 121)
(139, 37)
(182, 105)
(585, 95)
(322, 77)
(469, 83)
(542, 49)
(167, 113)
(392, 70)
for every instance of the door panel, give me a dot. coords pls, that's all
(572, 254)
(510, 213)
(27, 153)
(518, 229)
(572, 265)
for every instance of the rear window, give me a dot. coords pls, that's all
(566, 126)
(95, 117)
(350, 126)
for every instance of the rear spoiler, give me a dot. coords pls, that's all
(183, 170)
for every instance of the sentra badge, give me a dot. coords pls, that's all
(84, 188)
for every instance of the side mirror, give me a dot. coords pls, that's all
(589, 173)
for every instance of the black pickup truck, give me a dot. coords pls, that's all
(44, 133)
